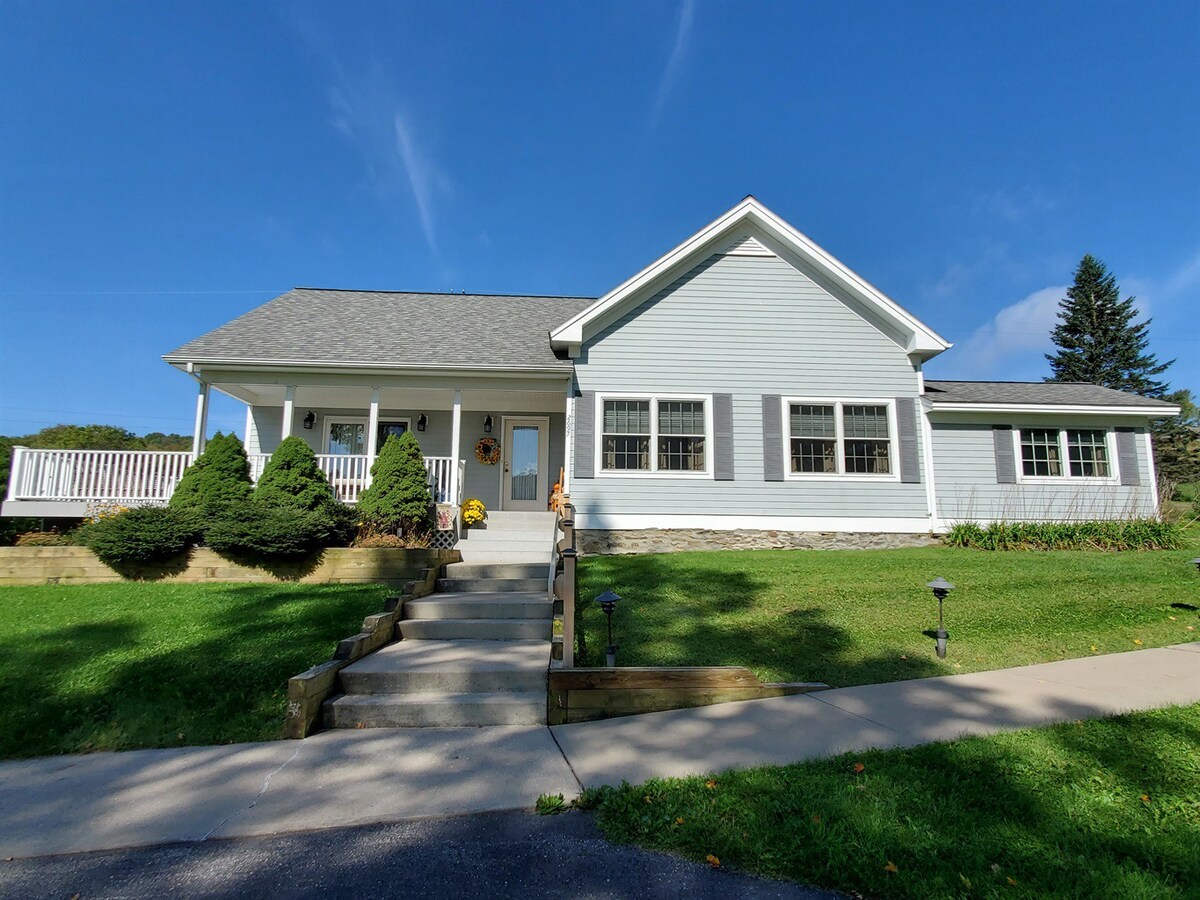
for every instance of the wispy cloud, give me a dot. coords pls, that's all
(670, 76)
(1012, 344)
(1013, 204)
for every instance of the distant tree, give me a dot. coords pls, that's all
(1097, 338)
(156, 440)
(1177, 445)
(398, 500)
(219, 477)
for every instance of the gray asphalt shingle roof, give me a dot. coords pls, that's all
(382, 328)
(1033, 393)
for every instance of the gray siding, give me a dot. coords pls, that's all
(964, 458)
(748, 326)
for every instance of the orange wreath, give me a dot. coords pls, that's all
(487, 451)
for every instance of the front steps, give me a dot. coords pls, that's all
(476, 652)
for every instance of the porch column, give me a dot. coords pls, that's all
(455, 448)
(201, 427)
(289, 411)
(569, 438)
(372, 432)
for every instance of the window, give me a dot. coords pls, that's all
(1087, 453)
(654, 434)
(840, 438)
(346, 438)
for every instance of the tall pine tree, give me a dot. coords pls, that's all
(1097, 338)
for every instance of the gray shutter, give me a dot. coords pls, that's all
(585, 435)
(1006, 464)
(723, 437)
(906, 425)
(772, 406)
(1127, 456)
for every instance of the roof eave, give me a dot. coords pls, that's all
(197, 362)
(1148, 412)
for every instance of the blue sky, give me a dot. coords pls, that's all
(167, 166)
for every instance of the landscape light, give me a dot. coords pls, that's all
(608, 602)
(941, 587)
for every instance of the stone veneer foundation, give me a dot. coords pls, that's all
(670, 540)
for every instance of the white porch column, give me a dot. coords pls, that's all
(372, 432)
(569, 439)
(201, 427)
(289, 411)
(455, 448)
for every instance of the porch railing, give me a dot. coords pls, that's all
(150, 476)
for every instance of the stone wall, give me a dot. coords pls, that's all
(671, 540)
(340, 565)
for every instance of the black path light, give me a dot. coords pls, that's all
(608, 602)
(941, 587)
(1196, 563)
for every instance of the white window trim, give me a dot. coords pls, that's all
(364, 421)
(1110, 447)
(653, 471)
(841, 475)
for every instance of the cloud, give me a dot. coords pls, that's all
(1013, 204)
(675, 62)
(1012, 344)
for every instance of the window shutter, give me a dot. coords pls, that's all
(1127, 456)
(906, 425)
(772, 406)
(585, 435)
(723, 437)
(1006, 464)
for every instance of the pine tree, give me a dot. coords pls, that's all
(398, 500)
(292, 478)
(1099, 342)
(219, 477)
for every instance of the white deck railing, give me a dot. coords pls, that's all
(150, 476)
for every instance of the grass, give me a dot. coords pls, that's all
(121, 666)
(861, 616)
(1105, 808)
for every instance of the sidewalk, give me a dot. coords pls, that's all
(105, 801)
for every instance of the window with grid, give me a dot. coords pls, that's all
(1040, 453)
(626, 435)
(1087, 453)
(681, 435)
(866, 442)
(814, 438)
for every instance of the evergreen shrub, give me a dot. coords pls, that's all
(218, 478)
(253, 529)
(398, 500)
(139, 536)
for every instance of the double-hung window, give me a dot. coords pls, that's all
(840, 437)
(1086, 453)
(654, 434)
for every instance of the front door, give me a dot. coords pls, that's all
(526, 454)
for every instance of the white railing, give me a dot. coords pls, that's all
(150, 476)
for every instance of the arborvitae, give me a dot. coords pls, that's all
(293, 478)
(1099, 341)
(398, 499)
(219, 477)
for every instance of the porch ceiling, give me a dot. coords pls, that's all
(359, 397)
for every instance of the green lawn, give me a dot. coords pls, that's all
(1106, 808)
(858, 617)
(119, 666)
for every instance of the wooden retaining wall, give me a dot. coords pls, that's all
(340, 565)
(581, 695)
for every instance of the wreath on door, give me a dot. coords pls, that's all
(487, 451)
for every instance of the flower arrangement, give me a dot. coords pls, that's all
(487, 451)
(473, 512)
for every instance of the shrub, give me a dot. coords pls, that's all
(147, 534)
(372, 538)
(293, 479)
(1107, 534)
(218, 478)
(473, 512)
(258, 530)
(398, 499)
(42, 539)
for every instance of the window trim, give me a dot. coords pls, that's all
(1110, 448)
(838, 403)
(653, 471)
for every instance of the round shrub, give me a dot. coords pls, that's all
(398, 499)
(219, 477)
(258, 530)
(140, 536)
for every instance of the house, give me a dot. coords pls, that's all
(744, 389)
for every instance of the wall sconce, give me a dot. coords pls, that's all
(487, 424)
(422, 421)
(310, 420)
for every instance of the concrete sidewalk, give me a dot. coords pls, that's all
(104, 801)
(903, 713)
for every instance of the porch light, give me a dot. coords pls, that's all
(941, 587)
(310, 420)
(422, 421)
(487, 424)
(608, 602)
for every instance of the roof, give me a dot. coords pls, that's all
(750, 216)
(315, 326)
(949, 394)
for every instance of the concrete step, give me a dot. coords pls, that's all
(435, 709)
(534, 569)
(498, 556)
(534, 539)
(476, 629)
(489, 585)
(451, 667)
(505, 518)
(503, 605)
